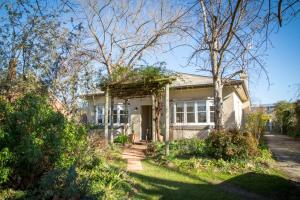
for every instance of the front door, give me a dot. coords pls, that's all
(147, 123)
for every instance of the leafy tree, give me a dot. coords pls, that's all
(283, 114)
(256, 123)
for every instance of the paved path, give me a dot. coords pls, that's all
(134, 154)
(286, 151)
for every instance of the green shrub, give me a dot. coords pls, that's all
(297, 115)
(45, 156)
(191, 147)
(122, 139)
(5, 169)
(39, 139)
(183, 147)
(256, 123)
(90, 177)
(284, 116)
(230, 145)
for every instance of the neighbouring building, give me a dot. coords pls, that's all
(191, 108)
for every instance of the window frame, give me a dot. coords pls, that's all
(118, 107)
(208, 103)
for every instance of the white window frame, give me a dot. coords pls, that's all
(208, 103)
(119, 108)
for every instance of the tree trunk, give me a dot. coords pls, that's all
(111, 132)
(218, 100)
(158, 109)
(217, 79)
(12, 70)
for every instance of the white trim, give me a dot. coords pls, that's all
(208, 103)
(118, 107)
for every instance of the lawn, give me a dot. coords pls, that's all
(159, 182)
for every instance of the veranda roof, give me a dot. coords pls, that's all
(135, 89)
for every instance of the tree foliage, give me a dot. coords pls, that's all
(37, 137)
(47, 156)
(256, 122)
(284, 115)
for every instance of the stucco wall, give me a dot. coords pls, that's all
(176, 132)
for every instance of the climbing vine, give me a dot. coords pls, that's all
(127, 83)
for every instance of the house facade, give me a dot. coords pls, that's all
(191, 108)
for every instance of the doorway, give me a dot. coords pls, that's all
(146, 123)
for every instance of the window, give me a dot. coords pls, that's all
(123, 115)
(119, 115)
(190, 113)
(212, 111)
(201, 111)
(100, 114)
(193, 112)
(115, 115)
(179, 112)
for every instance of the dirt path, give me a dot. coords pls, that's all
(286, 151)
(134, 154)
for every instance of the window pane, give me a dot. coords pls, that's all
(212, 113)
(201, 116)
(201, 106)
(171, 113)
(115, 116)
(190, 107)
(115, 119)
(190, 117)
(100, 119)
(179, 117)
(100, 116)
(212, 116)
(123, 119)
(179, 107)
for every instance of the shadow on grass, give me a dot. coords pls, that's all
(269, 186)
(170, 184)
(152, 187)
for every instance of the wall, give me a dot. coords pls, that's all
(176, 132)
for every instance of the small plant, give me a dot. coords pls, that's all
(122, 139)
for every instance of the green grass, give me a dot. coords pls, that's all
(270, 186)
(159, 182)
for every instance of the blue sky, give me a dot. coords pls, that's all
(282, 62)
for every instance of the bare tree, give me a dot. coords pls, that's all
(282, 10)
(125, 31)
(225, 41)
